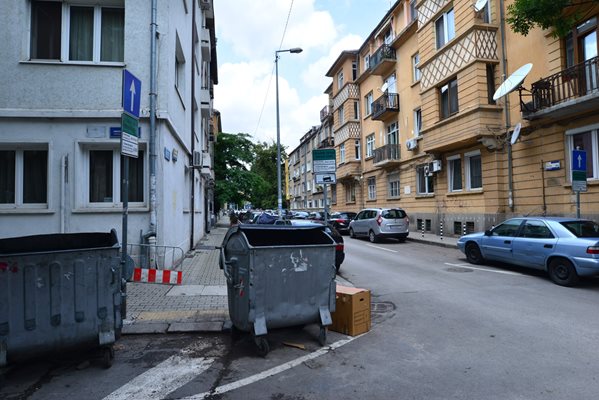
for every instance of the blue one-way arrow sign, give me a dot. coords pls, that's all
(579, 160)
(131, 94)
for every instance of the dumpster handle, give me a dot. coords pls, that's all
(227, 265)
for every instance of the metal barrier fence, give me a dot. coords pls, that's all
(151, 256)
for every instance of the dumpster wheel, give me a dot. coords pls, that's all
(107, 356)
(262, 344)
(322, 336)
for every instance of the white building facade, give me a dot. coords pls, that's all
(60, 114)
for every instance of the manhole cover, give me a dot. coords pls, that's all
(382, 307)
(459, 269)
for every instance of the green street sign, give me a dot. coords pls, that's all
(129, 124)
(323, 154)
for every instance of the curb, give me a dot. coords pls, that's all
(439, 244)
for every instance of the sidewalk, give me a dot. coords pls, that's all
(200, 304)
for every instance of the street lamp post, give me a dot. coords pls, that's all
(279, 192)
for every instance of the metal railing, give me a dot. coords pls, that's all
(385, 52)
(387, 102)
(325, 112)
(576, 81)
(389, 152)
(156, 257)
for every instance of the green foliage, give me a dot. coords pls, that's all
(524, 15)
(245, 171)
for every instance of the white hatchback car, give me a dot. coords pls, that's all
(377, 223)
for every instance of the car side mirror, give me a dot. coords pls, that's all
(488, 232)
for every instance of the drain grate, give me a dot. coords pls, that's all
(382, 307)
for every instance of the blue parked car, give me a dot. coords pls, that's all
(566, 248)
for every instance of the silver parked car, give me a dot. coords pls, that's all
(566, 248)
(377, 223)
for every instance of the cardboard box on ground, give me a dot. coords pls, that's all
(352, 312)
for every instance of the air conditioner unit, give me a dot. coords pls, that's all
(411, 144)
(435, 166)
(205, 4)
(197, 159)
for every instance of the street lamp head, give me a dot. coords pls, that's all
(295, 50)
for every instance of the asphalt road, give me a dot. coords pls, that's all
(442, 329)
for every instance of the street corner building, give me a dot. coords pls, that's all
(63, 103)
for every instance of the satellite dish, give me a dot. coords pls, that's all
(513, 81)
(516, 133)
(479, 5)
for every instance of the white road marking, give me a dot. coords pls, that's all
(484, 269)
(158, 382)
(272, 371)
(382, 248)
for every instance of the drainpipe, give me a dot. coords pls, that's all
(193, 119)
(510, 193)
(153, 94)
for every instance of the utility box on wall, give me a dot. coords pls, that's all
(352, 312)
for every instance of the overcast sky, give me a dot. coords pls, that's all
(249, 32)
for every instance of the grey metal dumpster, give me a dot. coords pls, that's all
(59, 292)
(279, 276)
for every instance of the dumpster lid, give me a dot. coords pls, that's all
(58, 242)
(281, 235)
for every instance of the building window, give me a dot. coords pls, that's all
(356, 109)
(454, 173)
(350, 192)
(417, 121)
(23, 177)
(413, 11)
(445, 28)
(340, 80)
(393, 184)
(354, 70)
(366, 62)
(86, 33)
(179, 68)
(341, 115)
(372, 188)
(104, 167)
(473, 172)
(368, 103)
(449, 98)
(490, 83)
(392, 133)
(342, 153)
(589, 142)
(424, 180)
(416, 67)
(370, 145)
(358, 149)
(388, 37)
(485, 13)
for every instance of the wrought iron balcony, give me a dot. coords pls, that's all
(383, 60)
(327, 142)
(564, 94)
(387, 155)
(385, 106)
(325, 113)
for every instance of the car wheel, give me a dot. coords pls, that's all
(562, 272)
(351, 233)
(372, 237)
(473, 254)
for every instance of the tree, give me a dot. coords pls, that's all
(560, 15)
(265, 166)
(233, 156)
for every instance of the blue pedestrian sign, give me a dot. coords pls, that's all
(131, 94)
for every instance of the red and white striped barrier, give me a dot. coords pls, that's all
(164, 276)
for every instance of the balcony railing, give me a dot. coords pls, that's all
(327, 142)
(384, 106)
(389, 153)
(325, 113)
(577, 81)
(382, 60)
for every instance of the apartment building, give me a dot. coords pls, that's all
(60, 115)
(427, 135)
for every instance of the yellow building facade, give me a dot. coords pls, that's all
(416, 126)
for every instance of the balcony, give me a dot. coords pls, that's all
(348, 170)
(386, 156)
(563, 95)
(205, 44)
(385, 106)
(327, 142)
(325, 113)
(383, 60)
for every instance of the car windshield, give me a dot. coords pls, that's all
(582, 229)
(394, 214)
